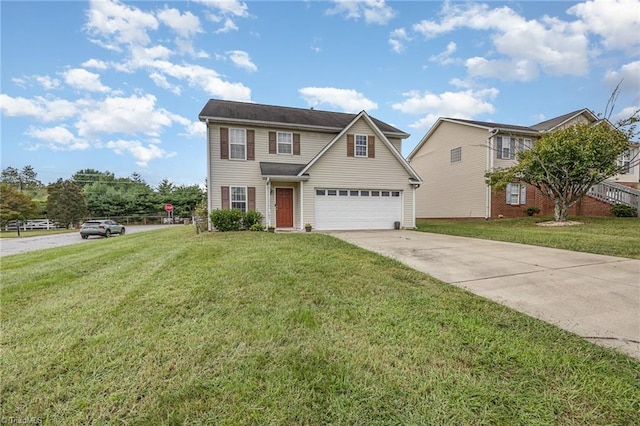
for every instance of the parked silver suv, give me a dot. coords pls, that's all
(102, 228)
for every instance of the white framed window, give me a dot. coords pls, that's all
(506, 148)
(524, 145)
(516, 194)
(624, 162)
(237, 144)
(285, 143)
(456, 155)
(361, 145)
(239, 198)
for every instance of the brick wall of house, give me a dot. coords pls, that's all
(588, 206)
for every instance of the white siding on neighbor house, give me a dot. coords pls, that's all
(335, 170)
(452, 189)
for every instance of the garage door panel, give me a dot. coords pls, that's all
(336, 212)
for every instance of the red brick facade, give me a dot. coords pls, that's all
(588, 206)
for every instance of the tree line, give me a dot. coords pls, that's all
(90, 193)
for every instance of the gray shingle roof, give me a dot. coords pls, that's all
(491, 125)
(540, 127)
(554, 122)
(261, 114)
(280, 169)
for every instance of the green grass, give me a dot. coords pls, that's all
(609, 236)
(34, 233)
(170, 327)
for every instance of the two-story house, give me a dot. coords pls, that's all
(336, 171)
(454, 155)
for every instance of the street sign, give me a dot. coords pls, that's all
(168, 207)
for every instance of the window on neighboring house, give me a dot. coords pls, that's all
(506, 148)
(285, 143)
(516, 194)
(524, 145)
(361, 145)
(239, 198)
(237, 144)
(624, 162)
(456, 155)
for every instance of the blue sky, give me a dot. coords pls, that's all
(118, 86)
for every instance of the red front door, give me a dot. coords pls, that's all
(284, 207)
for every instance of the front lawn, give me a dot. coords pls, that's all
(610, 236)
(170, 327)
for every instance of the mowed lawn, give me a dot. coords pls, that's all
(170, 327)
(613, 236)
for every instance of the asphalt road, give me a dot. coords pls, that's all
(9, 246)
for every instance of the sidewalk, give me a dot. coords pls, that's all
(594, 296)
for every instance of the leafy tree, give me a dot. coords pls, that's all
(165, 189)
(66, 202)
(86, 177)
(186, 198)
(25, 179)
(15, 205)
(565, 164)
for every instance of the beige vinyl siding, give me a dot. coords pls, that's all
(452, 189)
(397, 143)
(232, 172)
(247, 173)
(337, 171)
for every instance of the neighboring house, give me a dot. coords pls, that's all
(295, 166)
(454, 155)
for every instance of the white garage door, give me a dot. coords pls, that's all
(342, 209)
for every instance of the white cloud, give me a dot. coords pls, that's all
(95, 63)
(556, 46)
(195, 129)
(464, 104)
(135, 114)
(161, 81)
(629, 74)
(82, 79)
(206, 79)
(44, 81)
(242, 60)
(226, 10)
(227, 7)
(616, 21)
(142, 154)
(397, 38)
(522, 70)
(346, 100)
(444, 58)
(119, 24)
(373, 11)
(41, 108)
(57, 138)
(229, 25)
(185, 24)
(47, 82)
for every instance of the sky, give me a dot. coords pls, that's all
(117, 86)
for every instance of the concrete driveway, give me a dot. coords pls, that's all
(594, 296)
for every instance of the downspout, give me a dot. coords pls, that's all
(413, 216)
(268, 201)
(490, 144)
(209, 180)
(302, 222)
